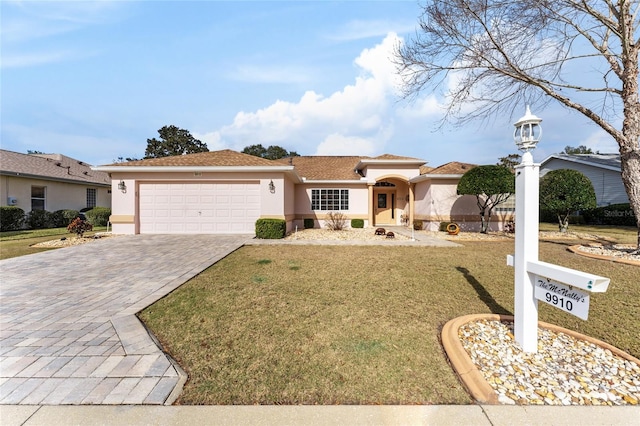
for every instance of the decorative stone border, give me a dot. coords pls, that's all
(576, 249)
(472, 378)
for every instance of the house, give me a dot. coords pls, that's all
(603, 170)
(51, 182)
(227, 191)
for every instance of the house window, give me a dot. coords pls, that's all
(37, 197)
(91, 197)
(329, 199)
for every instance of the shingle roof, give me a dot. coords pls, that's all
(394, 157)
(452, 168)
(611, 161)
(225, 157)
(50, 166)
(325, 167)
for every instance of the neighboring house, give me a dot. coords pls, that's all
(603, 170)
(227, 191)
(51, 182)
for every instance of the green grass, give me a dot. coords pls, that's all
(357, 325)
(18, 243)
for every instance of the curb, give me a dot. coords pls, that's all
(472, 378)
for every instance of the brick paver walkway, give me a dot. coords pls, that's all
(68, 330)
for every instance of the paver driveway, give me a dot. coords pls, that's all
(68, 331)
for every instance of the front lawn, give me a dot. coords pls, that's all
(356, 325)
(18, 243)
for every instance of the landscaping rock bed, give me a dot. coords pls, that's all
(72, 241)
(564, 371)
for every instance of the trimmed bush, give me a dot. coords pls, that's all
(271, 229)
(615, 214)
(11, 218)
(98, 216)
(309, 223)
(418, 225)
(357, 223)
(39, 219)
(62, 218)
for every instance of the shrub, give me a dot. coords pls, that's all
(98, 216)
(62, 218)
(614, 214)
(443, 226)
(79, 226)
(309, 223)
(357, 223)
(271, 229)
(39, 219)
(418, 225)
(11, 218)
(335, 221)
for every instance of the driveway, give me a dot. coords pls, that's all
(68, 330)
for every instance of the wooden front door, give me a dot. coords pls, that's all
(384, 205)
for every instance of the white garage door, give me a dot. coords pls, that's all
(199, 208)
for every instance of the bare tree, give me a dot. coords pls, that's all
(493, 56)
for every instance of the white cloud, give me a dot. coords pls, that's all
(359, 119)
(32, 59)
(601, 141)
(361, 29)
(336, 144)
(269, 74)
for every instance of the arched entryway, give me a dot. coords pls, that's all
(384, 203)
(390, 202)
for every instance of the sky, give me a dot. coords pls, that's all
(95, 80)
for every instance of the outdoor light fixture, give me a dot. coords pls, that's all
(272, 187)
(527, 132)
(122, 186)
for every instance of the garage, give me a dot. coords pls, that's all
(230, 207)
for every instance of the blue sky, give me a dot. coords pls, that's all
(95, 80)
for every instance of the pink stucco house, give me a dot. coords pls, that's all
(226, 192)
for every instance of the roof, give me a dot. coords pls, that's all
(452, 168)
(605, 161)
(325, 167)
(223, 158)
(50, 167)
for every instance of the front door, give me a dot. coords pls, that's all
(384, 205)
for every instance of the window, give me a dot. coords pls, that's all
(37, 197)
(329, 199)
(91, 197)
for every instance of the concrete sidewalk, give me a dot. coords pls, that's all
(319, 415)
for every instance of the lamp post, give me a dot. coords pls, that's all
(526, 135)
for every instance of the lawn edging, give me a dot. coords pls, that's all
(576, 249)
(469, 374)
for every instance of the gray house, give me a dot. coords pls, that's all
(604, 171)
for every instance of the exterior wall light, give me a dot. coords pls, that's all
(122, 187)
(272, 187)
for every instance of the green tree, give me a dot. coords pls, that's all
(173, 141)
(502, 55)
(579, 150)
(273, 152)
(510, 161)
(565, 191)
(491, 185)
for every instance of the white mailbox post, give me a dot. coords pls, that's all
(535, 280)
